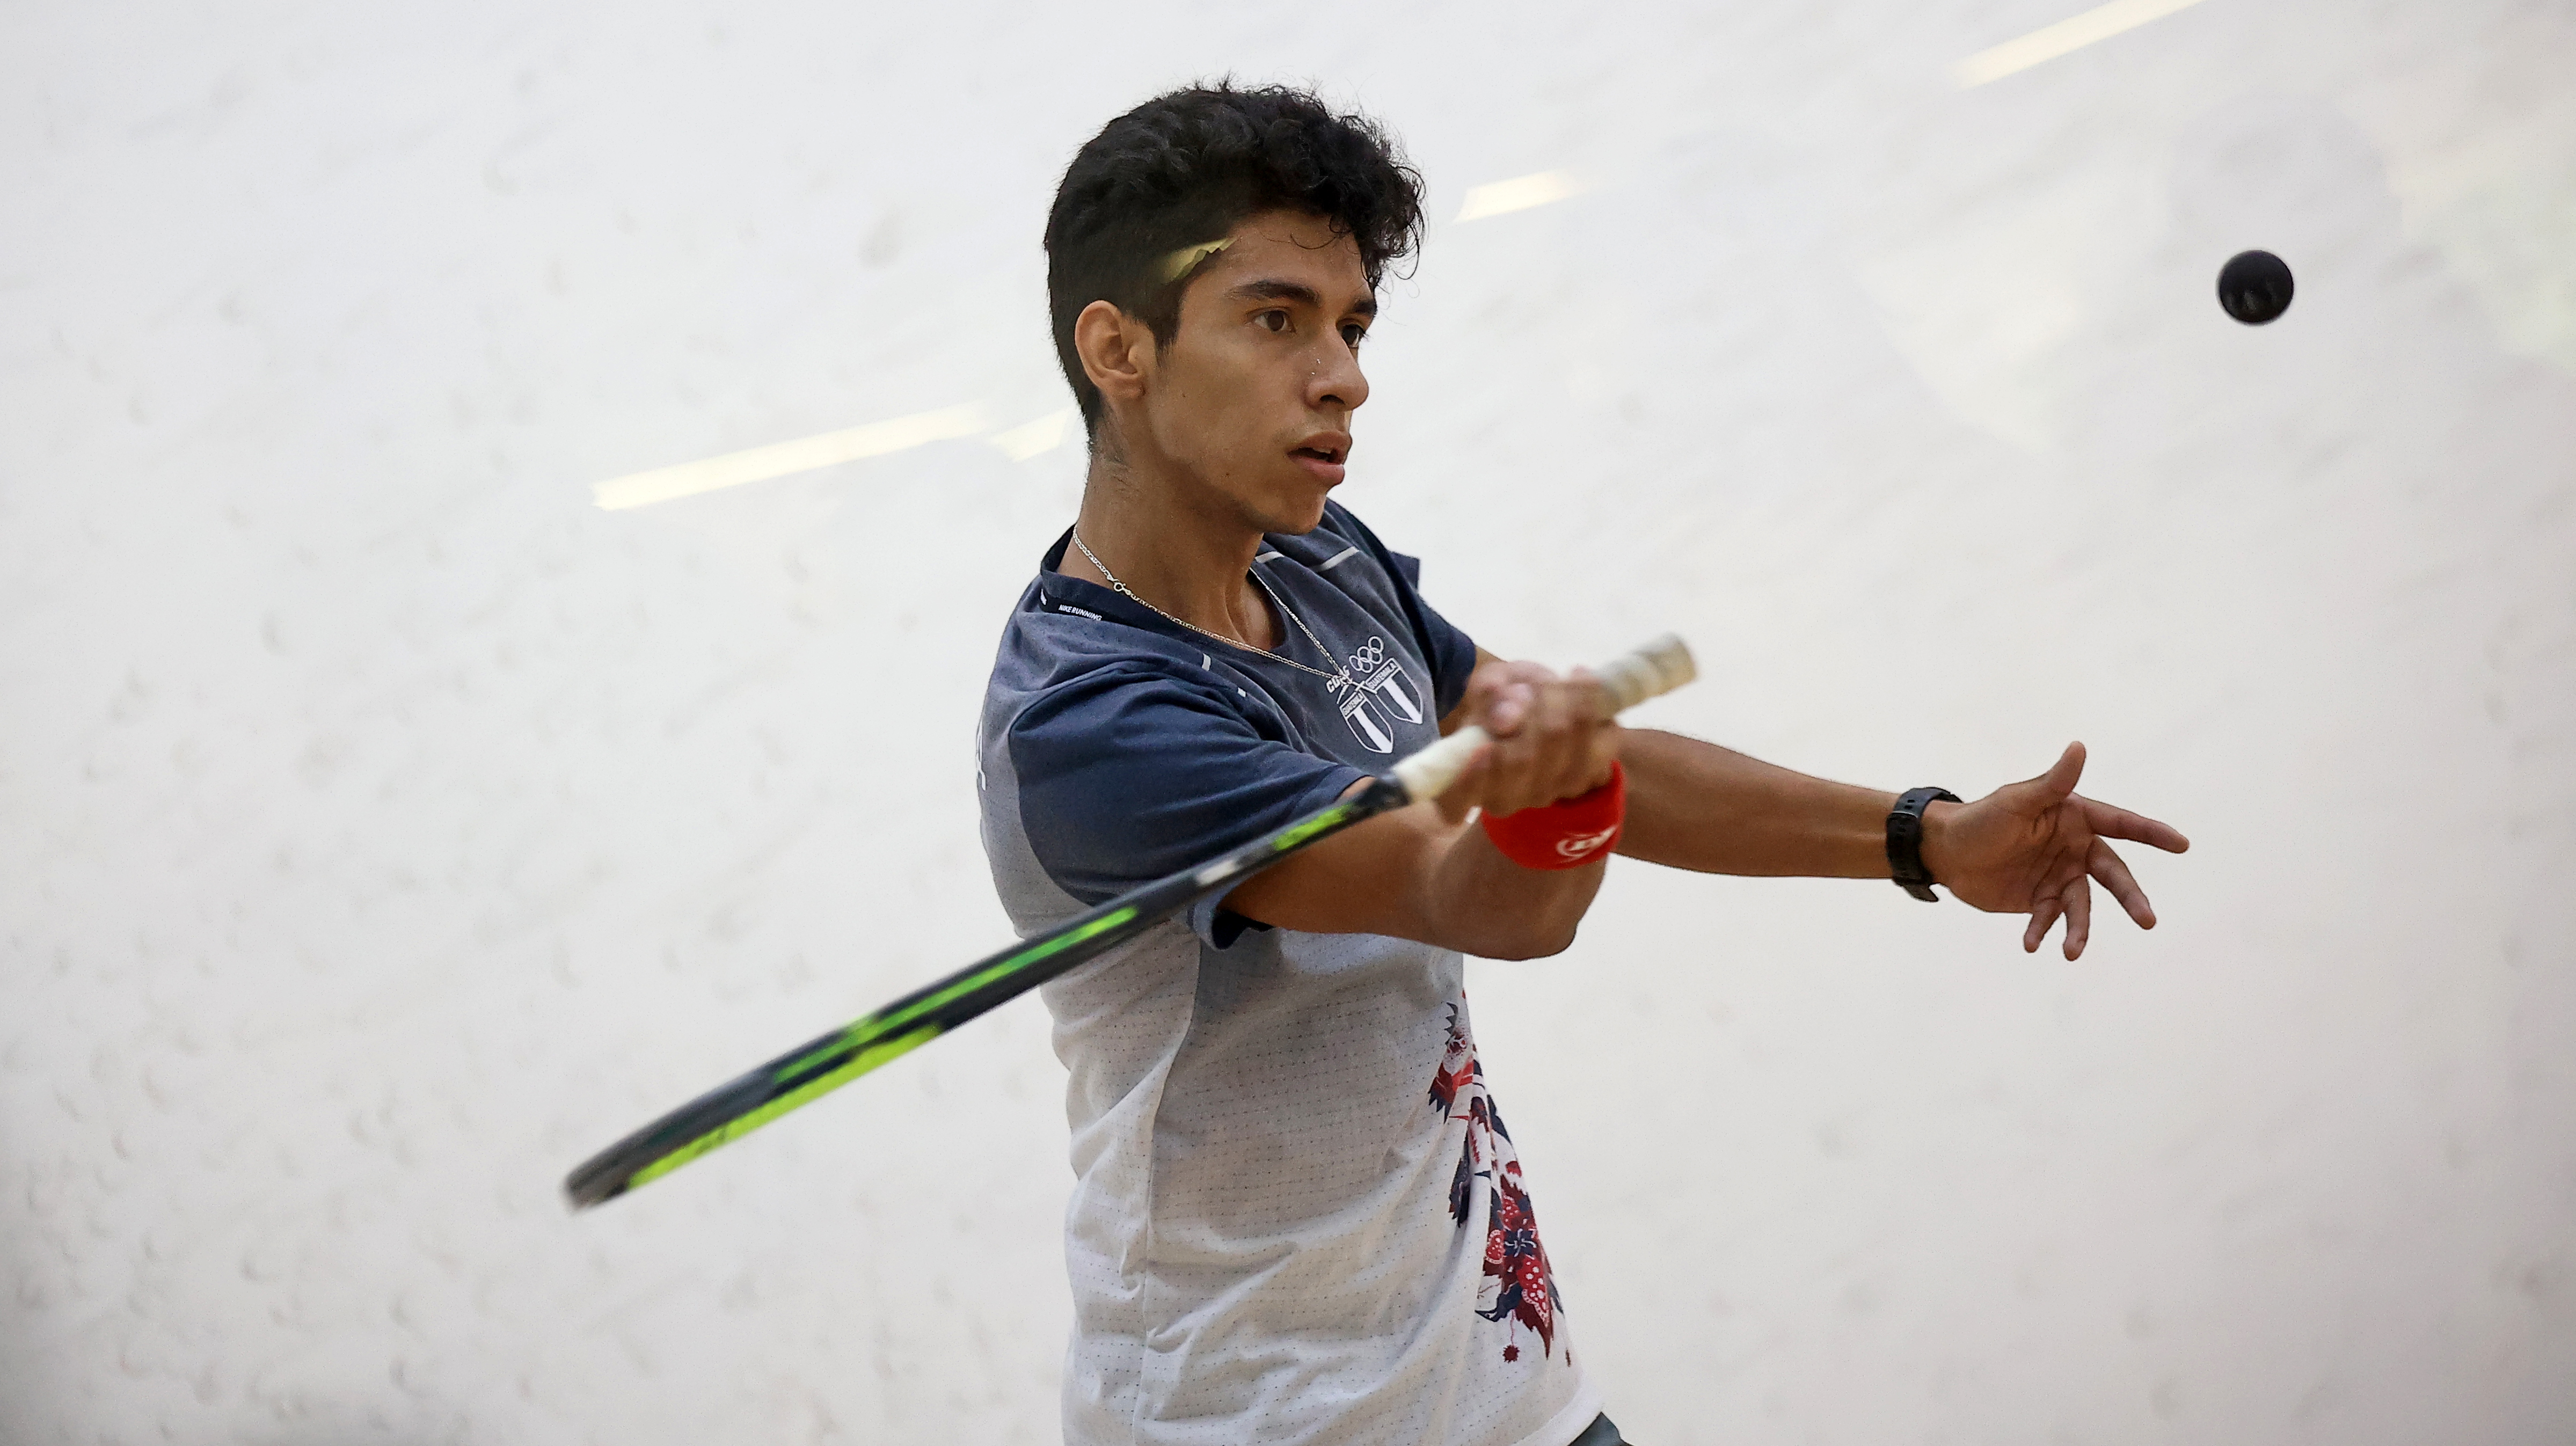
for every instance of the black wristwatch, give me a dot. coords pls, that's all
(1905, 840)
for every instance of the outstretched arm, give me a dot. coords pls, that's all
(2031, 847)
(1697, 806)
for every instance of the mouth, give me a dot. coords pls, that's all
(1324, 456)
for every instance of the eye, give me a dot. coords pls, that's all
(1353, 334)
(1271, 320)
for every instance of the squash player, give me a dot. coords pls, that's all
(1298, 1215)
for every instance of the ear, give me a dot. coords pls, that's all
(1117, 351)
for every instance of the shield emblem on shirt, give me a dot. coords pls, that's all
(1380, 675)
(1368, 721)
(1389, 684)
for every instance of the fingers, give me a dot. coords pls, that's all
(1501, 694)
(1567, 718)
(2136, 827)
(2078, 896)
(2047, 791)
(1518, 759)
(1563, 746)
(1597, 735)
(2043, 913)
(2060, 779)
(1602, 753)
(2072, 900)
(2107, 865)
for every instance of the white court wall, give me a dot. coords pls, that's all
(382, 827)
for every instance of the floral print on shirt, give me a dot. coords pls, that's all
(1519, 1289)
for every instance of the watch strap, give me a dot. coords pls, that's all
(1905, 840)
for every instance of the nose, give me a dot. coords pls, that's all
(1336, 379)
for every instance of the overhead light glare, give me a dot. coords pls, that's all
(780, 459)
(2050, 42)
(1031, 439)
(1517, 194)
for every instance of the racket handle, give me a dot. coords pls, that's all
(1629, 679)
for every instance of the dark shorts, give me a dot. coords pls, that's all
(1600, 1433)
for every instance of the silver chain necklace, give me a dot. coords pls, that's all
(1339, 678)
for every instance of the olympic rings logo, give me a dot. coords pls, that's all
(1371, 653)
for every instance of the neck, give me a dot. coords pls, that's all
(1176, 543)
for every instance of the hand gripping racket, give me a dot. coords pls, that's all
(731, 1111)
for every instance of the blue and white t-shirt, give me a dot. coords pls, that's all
(1297, 1217)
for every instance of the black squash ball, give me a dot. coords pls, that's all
(2255, 287)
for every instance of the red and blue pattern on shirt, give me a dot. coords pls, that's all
(1519, 1287)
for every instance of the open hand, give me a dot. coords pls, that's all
(2036, 846)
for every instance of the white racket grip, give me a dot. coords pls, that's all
(1428, 774)
(1630, 679)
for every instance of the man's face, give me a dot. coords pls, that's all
(1253, 396)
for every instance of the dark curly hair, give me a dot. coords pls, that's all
(1184, 169)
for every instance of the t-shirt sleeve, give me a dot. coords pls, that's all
(1127, 775)
(1451, 653)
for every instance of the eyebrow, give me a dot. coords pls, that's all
(1276, 290)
